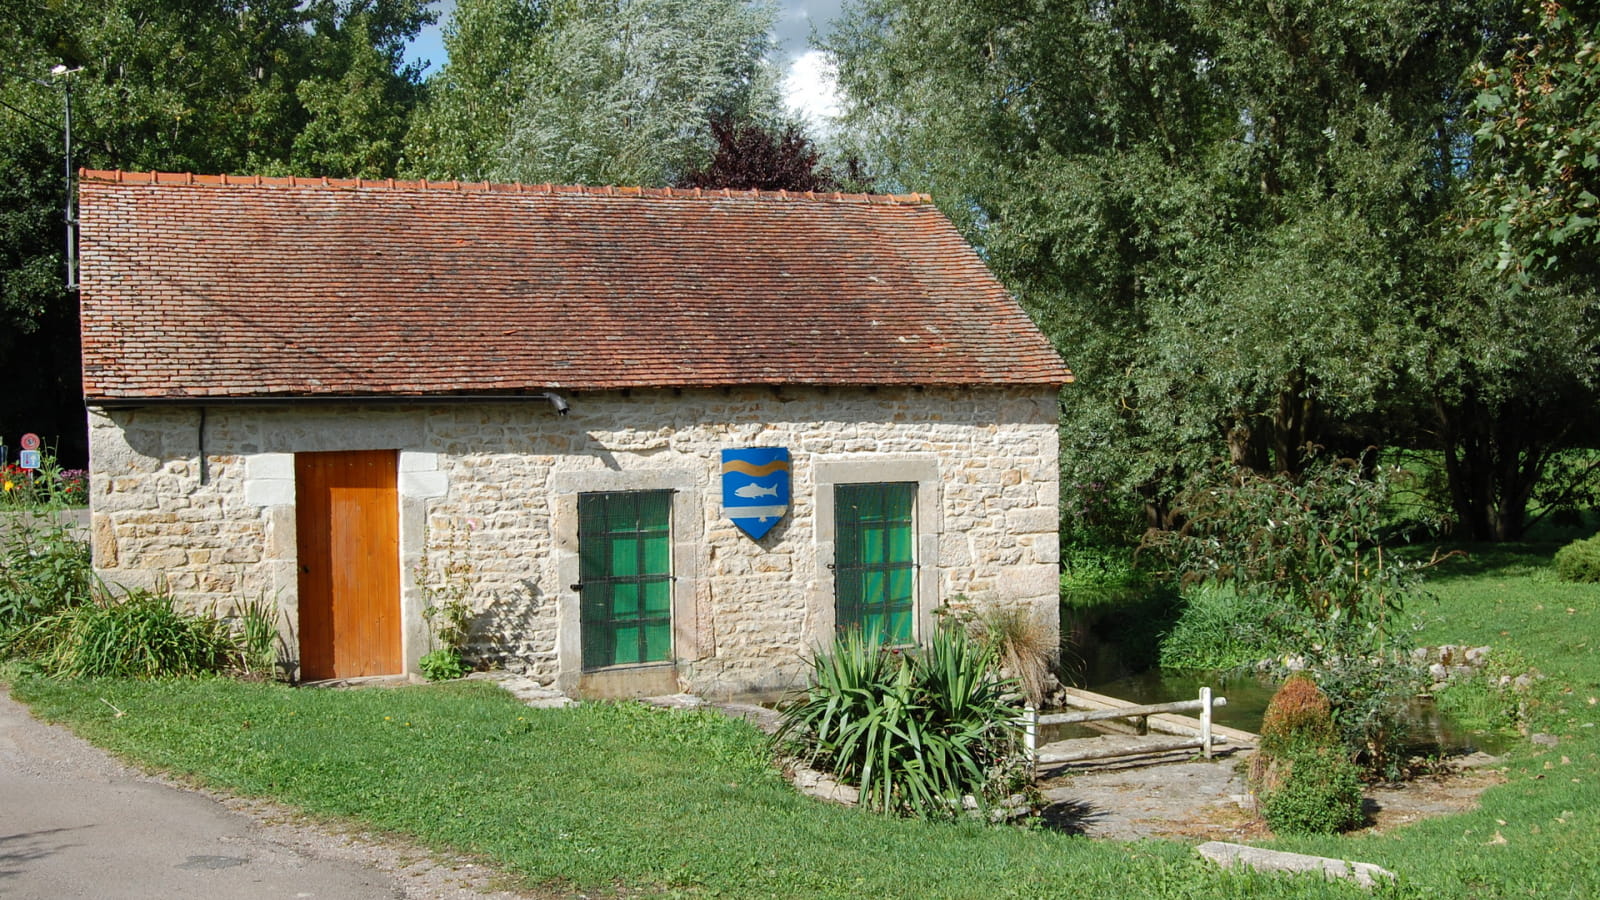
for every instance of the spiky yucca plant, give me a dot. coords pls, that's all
(918, 731)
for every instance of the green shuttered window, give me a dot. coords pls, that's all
(625, 566)
(874, 568)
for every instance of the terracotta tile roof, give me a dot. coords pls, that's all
(216, 286)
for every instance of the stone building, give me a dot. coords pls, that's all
(356, 399)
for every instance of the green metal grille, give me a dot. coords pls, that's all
(625, 570)
(874, 569)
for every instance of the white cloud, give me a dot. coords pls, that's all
(811, 90)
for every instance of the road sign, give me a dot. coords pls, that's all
(30, 441)
(28, 459)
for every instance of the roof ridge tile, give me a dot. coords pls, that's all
(190, 179)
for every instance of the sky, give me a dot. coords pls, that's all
(807, 83)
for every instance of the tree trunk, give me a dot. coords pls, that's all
(1493, 458)
(1275, 443)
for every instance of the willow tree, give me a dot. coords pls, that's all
(1222, 211)
(593, 91)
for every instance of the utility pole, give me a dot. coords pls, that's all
(63, 76)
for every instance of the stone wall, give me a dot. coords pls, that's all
(203, 500)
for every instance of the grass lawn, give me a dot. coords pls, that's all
(603, 797)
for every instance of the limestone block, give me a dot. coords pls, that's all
(1029, 580)
(1032, 520)
(104, 541)
(269, 479)
(1229, 855)
(424, 484)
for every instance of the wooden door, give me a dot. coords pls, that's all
(347, 522)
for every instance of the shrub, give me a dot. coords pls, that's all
(139, 635)
(1306, 781)
(916, 731)
(1579, 561)
(1298, 715)
(1023, 647)
(1370, 695)
(1319, 793)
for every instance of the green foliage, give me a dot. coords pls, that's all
(1221, 629)
(459, 129)
(139, 635)
(1223, 213)
(1309, 546)
(1099, 514)
(1579, 561)
(1539, 143)
(593, 91)
(44, 569)
(1097, 576)
(1320, 793)
(441, 665)
(1309, 541)
(1370, 694)
(916, 731)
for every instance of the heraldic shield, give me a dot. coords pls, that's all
(755, 487)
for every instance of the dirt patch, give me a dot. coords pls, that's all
(1453, 790)
(1196, 800)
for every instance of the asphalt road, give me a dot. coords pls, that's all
(75, 822)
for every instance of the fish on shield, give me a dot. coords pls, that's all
(755, 487)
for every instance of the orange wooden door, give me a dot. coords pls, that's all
(347, 523)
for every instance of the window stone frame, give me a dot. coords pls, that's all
(929, 524)
(687, 538)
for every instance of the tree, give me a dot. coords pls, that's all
(238, 86)
(591, 91)
(1220, 210)
(620, 91)
(462, 124)
(1538, 161)
(359, 100)
(751, 156)
(1505, 378)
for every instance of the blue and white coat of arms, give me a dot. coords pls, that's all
(755, 487)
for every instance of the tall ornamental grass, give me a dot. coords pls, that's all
(140, 635)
